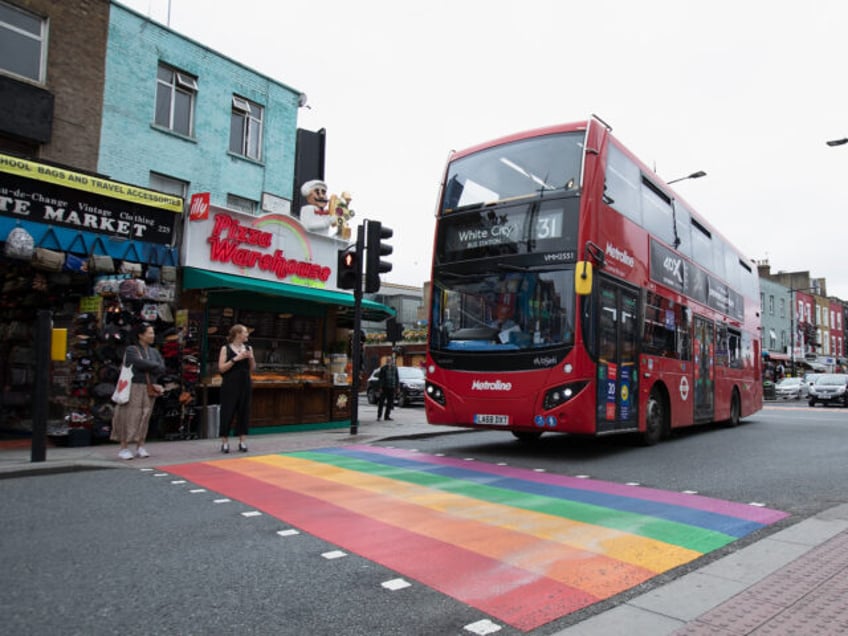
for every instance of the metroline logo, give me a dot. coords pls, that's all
(485, 385)
(622, 256)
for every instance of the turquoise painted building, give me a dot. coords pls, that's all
(181, 118)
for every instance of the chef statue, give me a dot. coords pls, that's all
(314, 215)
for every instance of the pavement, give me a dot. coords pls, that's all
(794, 581)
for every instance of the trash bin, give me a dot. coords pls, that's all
(213, 420)
(769, 392)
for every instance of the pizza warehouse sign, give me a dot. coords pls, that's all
(246, 248)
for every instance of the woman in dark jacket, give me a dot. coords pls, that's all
(130, 421)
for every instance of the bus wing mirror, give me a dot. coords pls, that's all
(583, 278)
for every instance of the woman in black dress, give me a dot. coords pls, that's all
(236, 363)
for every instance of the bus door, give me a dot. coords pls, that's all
(618, 313)
(704, 369)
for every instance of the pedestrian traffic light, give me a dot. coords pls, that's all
(375, 249)
(347, 270)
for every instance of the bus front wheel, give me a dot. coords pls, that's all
(654, 419)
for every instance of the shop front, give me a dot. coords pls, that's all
(278, 279)
(99, 256)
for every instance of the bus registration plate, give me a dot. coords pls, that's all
(491, 420)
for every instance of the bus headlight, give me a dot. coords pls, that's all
(435, 393)
(561, 394)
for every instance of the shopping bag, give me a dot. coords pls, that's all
(122, 389)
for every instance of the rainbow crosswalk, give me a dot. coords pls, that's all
(522, 546)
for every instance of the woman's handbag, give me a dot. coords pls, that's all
(151, 390)
(122, 390)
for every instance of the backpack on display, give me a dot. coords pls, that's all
(19, 244)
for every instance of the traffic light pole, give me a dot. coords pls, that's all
(356, 344)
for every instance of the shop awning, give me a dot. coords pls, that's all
(194, 278)
(780, 357)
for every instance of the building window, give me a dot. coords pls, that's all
(771, 306)
(783, 308)
(163, 183)
(241, 204)
(175, 96)
(246, 128)
(23, 43)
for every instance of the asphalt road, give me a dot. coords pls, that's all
(788, 456)
(130, 552)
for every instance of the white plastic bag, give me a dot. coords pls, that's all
(122, 389)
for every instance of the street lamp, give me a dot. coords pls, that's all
(837, 142)
(694, 175)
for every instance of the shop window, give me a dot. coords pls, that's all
(175, 100)
(23, 43)
(246, 128)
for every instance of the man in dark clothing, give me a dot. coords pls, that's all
(389, 383)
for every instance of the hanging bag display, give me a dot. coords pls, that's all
(122, 389)
(19, 244)
(48, 260)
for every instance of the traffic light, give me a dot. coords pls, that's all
(375, 249)
(394, 330)
(347, 270)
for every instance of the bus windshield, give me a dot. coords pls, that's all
(502, 311)
(518, 169)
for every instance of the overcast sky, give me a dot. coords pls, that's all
(748, 91)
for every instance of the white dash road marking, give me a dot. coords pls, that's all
(468, 459)
(539, 470)
(146, 470)
(160, 474)
(483, 627)
(632, 483)
(287, 533)
(225, 500)
(757, 504)
(582, 477)
(440, 454)
(502, 464)
(335, 554)
(194, 491)
(396, 584)
(690, 492)
(251, 513)
(178, 481)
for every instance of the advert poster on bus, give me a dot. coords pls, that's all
(672, 270)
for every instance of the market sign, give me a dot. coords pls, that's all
(40, 193)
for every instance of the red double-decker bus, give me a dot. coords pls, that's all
(574, 291)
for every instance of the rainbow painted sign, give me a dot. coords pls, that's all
(524, 547)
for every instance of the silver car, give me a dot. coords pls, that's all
(791, 389)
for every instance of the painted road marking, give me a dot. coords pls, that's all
(251, 513)
(396, 584)
(334, 554)
(483, 627)
(287, 533)
(521, 546)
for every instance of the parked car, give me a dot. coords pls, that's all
(791, 389)
(830, 388)
(810, 378)
(411, 386)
